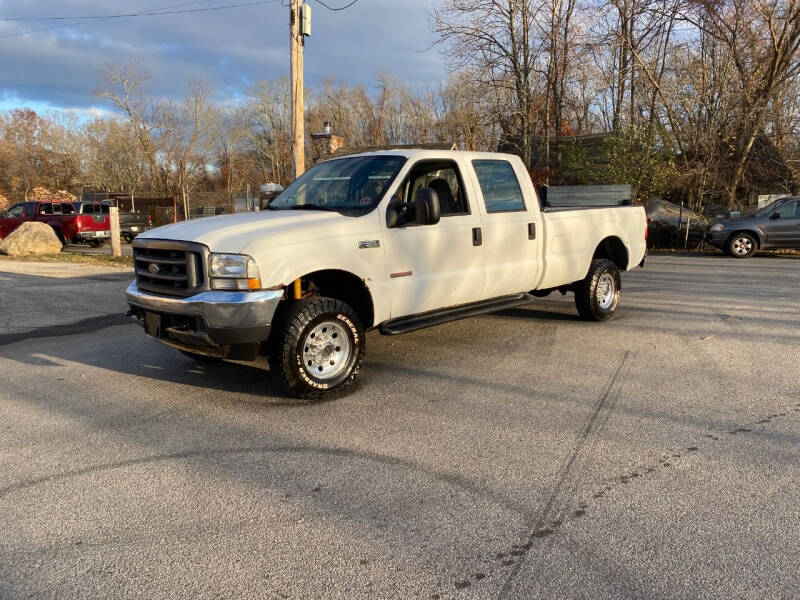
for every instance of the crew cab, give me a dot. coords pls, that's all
(776, 225)
(64, 217)
(394, 241)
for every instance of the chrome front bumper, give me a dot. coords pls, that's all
(221, 318)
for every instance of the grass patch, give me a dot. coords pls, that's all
(69, 257)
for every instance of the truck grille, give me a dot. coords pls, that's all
(170, 268)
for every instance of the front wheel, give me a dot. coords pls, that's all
(742, 245)
(318, 347)
(597, 296)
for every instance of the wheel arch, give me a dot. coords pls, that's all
(752, 232)
(345, 286)
(613, 249)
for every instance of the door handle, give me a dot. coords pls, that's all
(531, 231)
(477, 236)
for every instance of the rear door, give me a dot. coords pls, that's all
(511, 228)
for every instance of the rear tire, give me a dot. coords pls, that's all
(742, 245)
(60, 237)
(318, 348)
(597, 296)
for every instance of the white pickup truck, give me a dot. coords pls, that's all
(394, 240)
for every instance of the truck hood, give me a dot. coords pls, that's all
(234, 233)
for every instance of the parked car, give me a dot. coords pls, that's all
(395, 241)
(131, 224)
(777, 225)
(65, 219)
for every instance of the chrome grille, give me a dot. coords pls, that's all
(170, 268)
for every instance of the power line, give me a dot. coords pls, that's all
(333, 8)
(100, 16)
(154, 13)
(95, 19)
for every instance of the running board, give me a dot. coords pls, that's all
(445, 315)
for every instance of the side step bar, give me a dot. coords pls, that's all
(445, 315)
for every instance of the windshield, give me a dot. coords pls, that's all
(346, 184)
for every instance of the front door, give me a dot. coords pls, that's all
(434, 266)
(784, 231)
(11, 219)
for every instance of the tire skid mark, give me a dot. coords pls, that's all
(558, 508)
(545, 528)
(549, 524)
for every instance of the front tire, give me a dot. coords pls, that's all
(318, 348)
(597, 296)
(742, 245)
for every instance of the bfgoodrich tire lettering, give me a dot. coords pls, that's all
(299, 366)
(597, 296)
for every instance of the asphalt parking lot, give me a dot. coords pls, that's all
(524, 454)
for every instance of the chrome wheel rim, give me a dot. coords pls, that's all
(606, 290)
(327, 350)
(742, 246)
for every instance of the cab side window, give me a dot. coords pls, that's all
(499, 186)
(30, 209)
(45, 209)
(444, 178)
(15, 211)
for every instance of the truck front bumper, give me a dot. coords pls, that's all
(209, 322)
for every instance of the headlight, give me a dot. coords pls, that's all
(233, 272)
(717, 227)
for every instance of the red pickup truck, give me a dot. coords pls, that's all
(63, 217)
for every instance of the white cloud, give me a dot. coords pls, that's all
(229, 48)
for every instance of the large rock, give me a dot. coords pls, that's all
(31, 238)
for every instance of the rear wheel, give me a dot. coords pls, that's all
(597, 296)
(318, 347)
(742, 245)
(60, 237)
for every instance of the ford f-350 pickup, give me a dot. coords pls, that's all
(394, 240)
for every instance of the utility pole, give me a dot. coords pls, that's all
(296, 50)
(299, 28)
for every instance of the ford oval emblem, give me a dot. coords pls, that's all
(153, 268)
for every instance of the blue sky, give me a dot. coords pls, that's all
(232, 49)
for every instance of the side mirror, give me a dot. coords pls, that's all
(774, 216)
(426, 207)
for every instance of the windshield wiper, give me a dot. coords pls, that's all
(313, 207)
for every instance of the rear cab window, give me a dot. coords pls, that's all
(499, 186)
